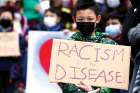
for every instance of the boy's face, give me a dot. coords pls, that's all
(86, 21)
(87, 15)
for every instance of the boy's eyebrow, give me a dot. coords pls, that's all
(80, 17)
(91, 16)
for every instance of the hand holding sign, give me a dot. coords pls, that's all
(85, 86)
(95, 91)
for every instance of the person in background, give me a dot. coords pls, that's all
(42, 6)
(31, 11)
(20, 21)
(113, 27)
(134, 39)
(51, 21)
(87, 17)
(21, 27)
(102, 6)
(113, 30)
(6, 21)
(66, 16)
(7, 63)
(58, 3)
(11, 66)
(131, 20)
(127, 4)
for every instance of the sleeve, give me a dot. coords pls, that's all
(108, 41)
(134, 35)
(70, 88)
(105, 90)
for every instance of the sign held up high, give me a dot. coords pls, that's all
(98, 64)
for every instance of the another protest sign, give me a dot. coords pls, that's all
(9, 44)
(37, 76)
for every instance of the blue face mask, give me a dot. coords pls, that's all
(113, 30)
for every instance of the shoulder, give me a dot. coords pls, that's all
(108, 41)
(103, 39)
(134, 35)
(76, 36)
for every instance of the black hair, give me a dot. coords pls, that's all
(118, 16)
(85, 4)
(55, 10)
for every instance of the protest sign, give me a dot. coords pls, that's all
(98, 64)
(9, 44)
(37, 76)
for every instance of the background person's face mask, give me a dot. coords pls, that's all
(5, 23)
(86, 28)
(50, 21)
(113, 30)
(113, 3)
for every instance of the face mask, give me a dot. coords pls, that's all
(5, 23)
(113, 3)
(86, 28)
(50, 21)
(113, 30)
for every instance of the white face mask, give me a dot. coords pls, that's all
(113, 3)
(50, 21)
(113, 30)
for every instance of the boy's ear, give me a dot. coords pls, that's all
(74, 19)
(98, 19)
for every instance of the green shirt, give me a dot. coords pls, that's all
(97, 38)
(29, 9)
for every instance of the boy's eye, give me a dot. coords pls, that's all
(90, 19)
(85, 19)
(80, 19)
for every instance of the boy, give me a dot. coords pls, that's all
(113, 27)
(86, 17)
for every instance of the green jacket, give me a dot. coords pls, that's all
(97, 38)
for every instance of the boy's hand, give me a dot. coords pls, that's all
(85, 86)
(95, 91)
(88, 87)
